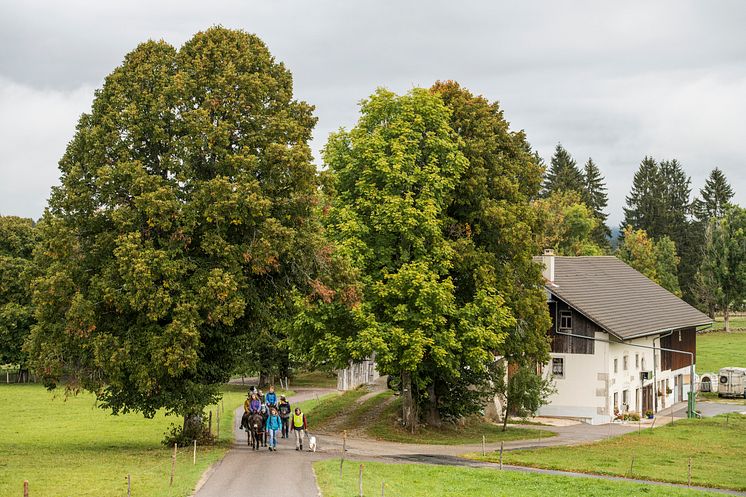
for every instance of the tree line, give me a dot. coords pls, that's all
(691, 245)
(192, 236)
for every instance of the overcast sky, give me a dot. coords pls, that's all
(612, 80)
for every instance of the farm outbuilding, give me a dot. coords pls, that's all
(708, 382)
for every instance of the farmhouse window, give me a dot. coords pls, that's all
(565, 320)
(624, 363)
(625, 399)
(558, 367)
(616, 365)
(616, 400)
(679, 335)
(637, 361)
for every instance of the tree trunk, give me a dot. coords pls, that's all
(262, 379)
(726, 317)
(433, 415)
(505, 414)
(409, 414)
(192, 427)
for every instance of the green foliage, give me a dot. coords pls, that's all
(723, 269)
(185, 206)
(523, 393)
(392, 180)
(567, 225)
(656, 260)
(563, 174)
(594, 196)
(716, 196)
(667, 263)
(17, 242)
(492, 222)
(659, 203)
(638, 250)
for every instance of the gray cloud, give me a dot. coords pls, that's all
(615, 81)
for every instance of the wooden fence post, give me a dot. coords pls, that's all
(689, 475)
(217, 425)
(383, 488)
(209, 424)
(194, 454)
(484, 450)
(360, 480)
(173, 465)
(501, 455)
(129, 485)
(25, 488)
(631, 465)
(344, 449)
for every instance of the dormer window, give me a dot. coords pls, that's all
(565, 320)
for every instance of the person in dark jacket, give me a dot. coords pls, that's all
(272, 427)
(284, 410)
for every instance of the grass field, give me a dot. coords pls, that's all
(387, 428)
(71, 447)
(661, 454)
(314, 379)
(736, 323)
(717, 350)
(410, 480)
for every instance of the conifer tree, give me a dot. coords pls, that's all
(715, 197)
(563, 174)
(643, 202)
(595, 197)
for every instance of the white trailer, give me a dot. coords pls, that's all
(732, 382)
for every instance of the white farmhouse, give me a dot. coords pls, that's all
(617, 309)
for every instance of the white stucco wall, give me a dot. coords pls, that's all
(587, 390)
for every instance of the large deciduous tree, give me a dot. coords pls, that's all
(17, 242)
(394, 176)
(185, 205)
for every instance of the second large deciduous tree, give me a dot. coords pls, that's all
(431, 203)
(184, 206)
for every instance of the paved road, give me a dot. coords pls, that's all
(244, 472)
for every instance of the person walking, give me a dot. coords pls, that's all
(271, 398)
(299, 426)
(284, 410)
(271, 427)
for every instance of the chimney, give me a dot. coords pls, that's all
(548, 260)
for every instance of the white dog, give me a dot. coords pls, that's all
(312, 443)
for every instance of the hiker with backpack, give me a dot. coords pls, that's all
(271, 427)
(284, 410)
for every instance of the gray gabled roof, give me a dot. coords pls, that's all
(618, 298)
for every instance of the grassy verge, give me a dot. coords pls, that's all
(421, 480)
(717, 350)
(322, 412)
(71, 447)
(716, 448)
(713, 397)
(314, 379)
(387, 428)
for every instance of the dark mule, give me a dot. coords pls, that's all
(256, 430)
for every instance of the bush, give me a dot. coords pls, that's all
(183, 437)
